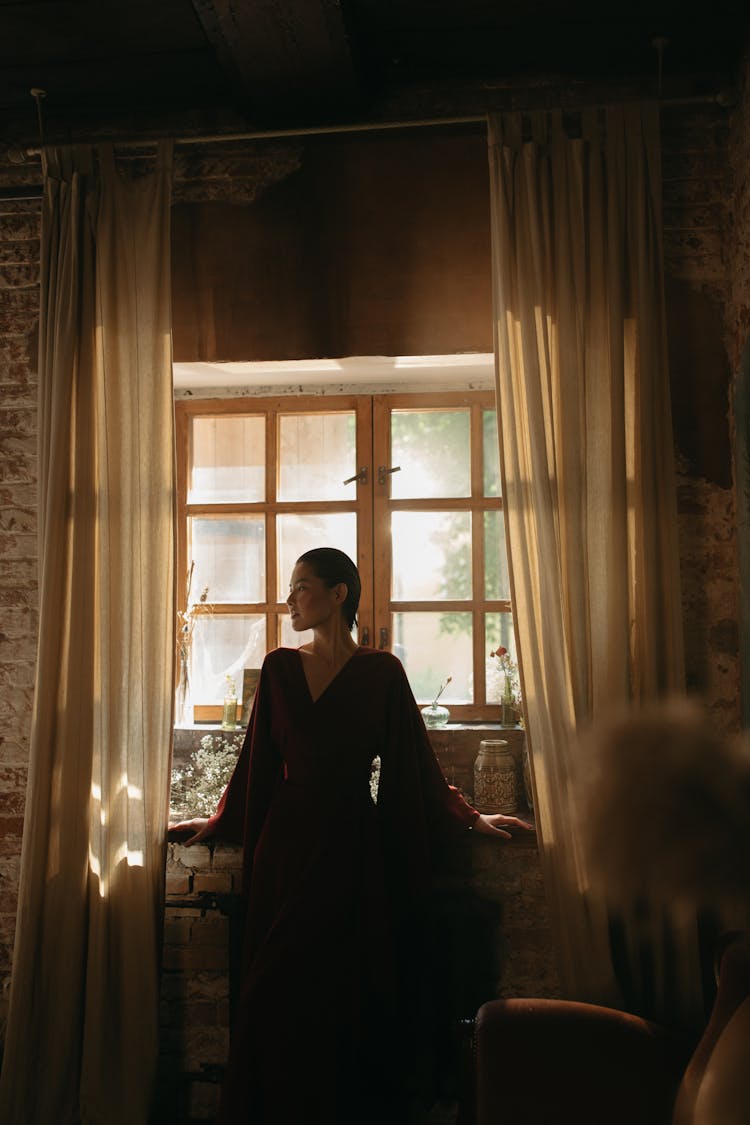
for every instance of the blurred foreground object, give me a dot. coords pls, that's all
(665, 809)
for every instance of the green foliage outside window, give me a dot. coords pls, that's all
(198, 786)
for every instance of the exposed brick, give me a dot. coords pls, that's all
(177, 931)
(16, 675)
(22, 570)
(12, 802)
(210, 931)
(14, 349)
(197, 856)
(17, 464)
(205, 1046)
(193, 956)
(19, 621)
(212, 884)
(14, 751)
(20, 225)
(177, 884)
(18, 544)
(201, 1014)
(11, 830)
(17, 422)
(17, 308)
(21, 252)
(227, 857)
(13, 779)
(203, 1100)
(20, 275)
(208, 984)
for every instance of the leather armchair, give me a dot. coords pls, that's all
(550, 1062)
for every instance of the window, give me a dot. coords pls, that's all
(407, 485)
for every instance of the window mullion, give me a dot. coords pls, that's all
(364, 510)
(381, 445)
(182, 438)
(477, 554)
(273, 632)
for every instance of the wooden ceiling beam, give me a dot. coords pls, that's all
(282, 56)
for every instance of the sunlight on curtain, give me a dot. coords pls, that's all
(588, 484)
(82, 1037)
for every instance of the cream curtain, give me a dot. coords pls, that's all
(83, 1024)
(588, 483)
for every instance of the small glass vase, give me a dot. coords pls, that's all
(183, 698)
(435, 716)
(508, 711)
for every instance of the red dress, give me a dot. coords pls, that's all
(330, 880)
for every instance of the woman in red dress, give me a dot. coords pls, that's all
(332, 881)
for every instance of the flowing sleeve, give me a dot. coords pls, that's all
(418, 810)
(242, 809)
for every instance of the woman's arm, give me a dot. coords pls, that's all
(494, 824)
(197, 828)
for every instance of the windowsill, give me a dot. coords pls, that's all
(456, 746)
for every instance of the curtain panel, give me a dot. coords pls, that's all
(82, 1039)
(589, 491)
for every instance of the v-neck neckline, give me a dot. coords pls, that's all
(334, 678)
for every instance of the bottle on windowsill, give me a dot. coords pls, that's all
(229, 715)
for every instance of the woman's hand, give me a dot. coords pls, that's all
(198, 829)
(493, 824)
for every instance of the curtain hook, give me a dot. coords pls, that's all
(37, 94)
(659, 42)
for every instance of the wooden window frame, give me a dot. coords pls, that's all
(372, 504)
(476, 504)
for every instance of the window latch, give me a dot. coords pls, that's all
(383, 638)
(384, 471)
(361, 476)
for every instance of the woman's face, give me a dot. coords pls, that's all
(312, 603)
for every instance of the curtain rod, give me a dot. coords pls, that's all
(376, 126)
(32, 192)
(274, 134)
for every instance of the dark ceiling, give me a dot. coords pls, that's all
(185, 66)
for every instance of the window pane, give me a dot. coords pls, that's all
(225, 645)
(491, 454)
(230, 557)
(431, 553)
(496, 580)
(498, 630)
(228, 460)
(299, 533)
(430, 653)
(432, 449)
(317, 453)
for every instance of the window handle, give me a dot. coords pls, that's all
(365, 636)
(383, 638)
(361, 476)
(384, 471)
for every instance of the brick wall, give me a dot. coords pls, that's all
(697, 191)
(19, 301)
(202, 885)
(737, 235)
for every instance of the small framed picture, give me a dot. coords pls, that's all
(249, 686)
